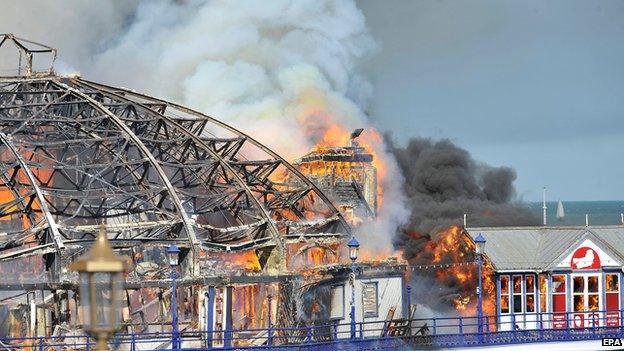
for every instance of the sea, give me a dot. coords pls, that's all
(599, 212)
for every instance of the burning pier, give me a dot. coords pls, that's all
(76, 155)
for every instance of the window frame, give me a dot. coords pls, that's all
(520, 294)
(342, 288)
(503, 294)
(369, 314)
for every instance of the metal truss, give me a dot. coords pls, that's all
(77, 153)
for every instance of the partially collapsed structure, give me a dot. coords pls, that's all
(75, 154)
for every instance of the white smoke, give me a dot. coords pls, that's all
(281, 70)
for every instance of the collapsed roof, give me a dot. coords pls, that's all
(76, 153)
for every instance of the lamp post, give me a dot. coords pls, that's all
(173, 253)
(480, 247)
(354, 247)
(101, 290)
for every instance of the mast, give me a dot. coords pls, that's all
(544, 206)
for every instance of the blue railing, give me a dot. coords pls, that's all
(395, 334)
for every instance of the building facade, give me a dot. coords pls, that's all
(556, 277)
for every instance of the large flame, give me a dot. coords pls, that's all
(454, 248)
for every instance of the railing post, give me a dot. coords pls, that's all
(541, 325)
(133, 346)
(309, 335)
(361, 330)
(434, 325)
(269, 322)
(461, 329)
(88, 344)
(40, 344)
(210, 298)
(513, 326)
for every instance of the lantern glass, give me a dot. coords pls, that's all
(101, 296)
(353, 252)
(174, 256)
(480, 247)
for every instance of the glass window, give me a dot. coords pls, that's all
(504, 294)
(612, 283)
(504, 304)
(530, 303)
(558, 284)
(369, 299)
(504, 284)
(337, 301)
(543, 281)
(592, 302)
(517, 300)
(578, 284)
(579, 303)
(529, 284)
(517, 293)
(517, 284)
(592, 284)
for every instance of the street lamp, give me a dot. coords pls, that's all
(354, 248)
(173, 253)
(101, 290)
(480, 249)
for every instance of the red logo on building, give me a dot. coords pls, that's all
(585, 258)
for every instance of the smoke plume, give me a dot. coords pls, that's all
(284, 71)
(443, 182)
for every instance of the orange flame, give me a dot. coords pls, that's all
(452, 246)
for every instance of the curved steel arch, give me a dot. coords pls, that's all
(273, 229)
(153, 162)
(56, 235)
(290, 167)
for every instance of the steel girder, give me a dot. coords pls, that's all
(151, 169)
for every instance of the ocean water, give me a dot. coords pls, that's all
(600, 212)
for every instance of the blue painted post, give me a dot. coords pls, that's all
(133, 346)
(480, 296)
(461, 329)
(309, 339)
(435, 326)
(352, 313)
(40, 344)
(210, 295)
(174, 310)
(228, 333)
(269, 323)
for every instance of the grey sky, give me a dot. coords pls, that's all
(536, 85)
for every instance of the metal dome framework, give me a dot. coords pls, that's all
(76, 153)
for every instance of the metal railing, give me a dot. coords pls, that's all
(395, 334)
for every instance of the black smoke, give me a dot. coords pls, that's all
(443, 181)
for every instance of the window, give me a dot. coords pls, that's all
(612, 289)
(543, 288)
(529, 288)
(337, 302)
(369, 299)
(504, 294)
(517, 293)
